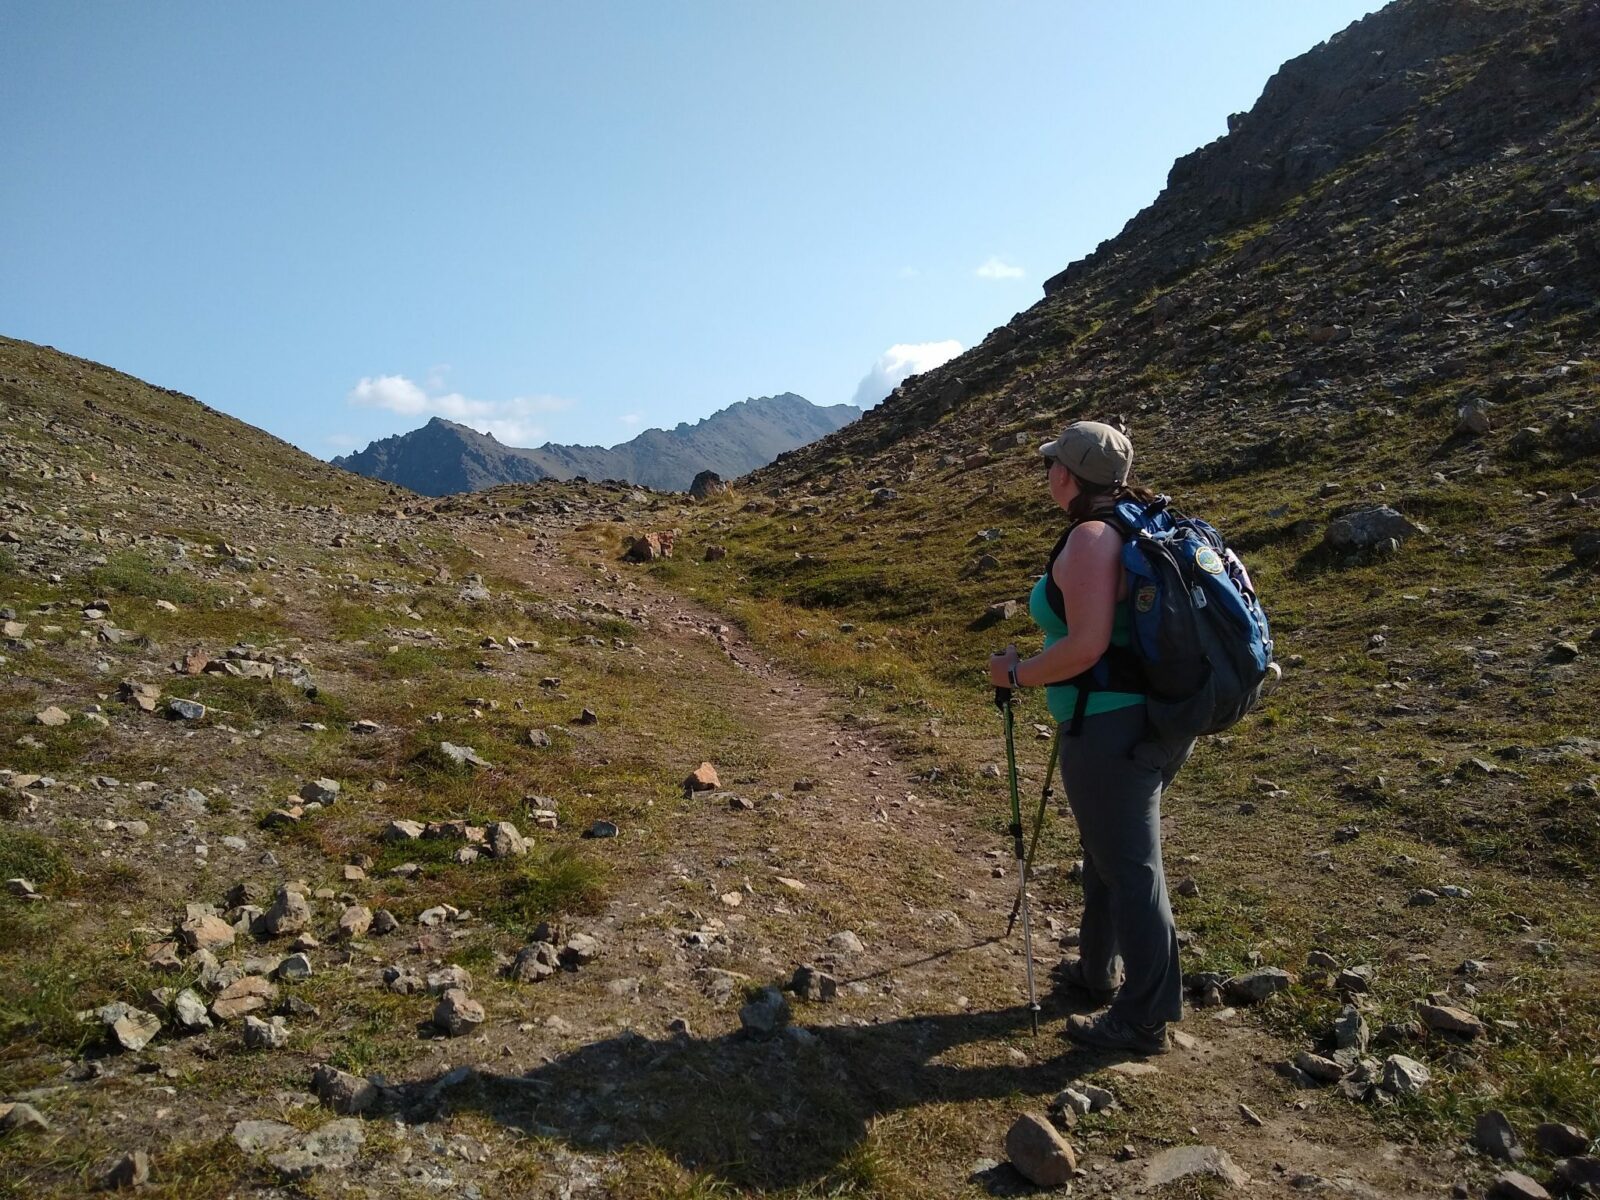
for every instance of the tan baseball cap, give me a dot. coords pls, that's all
(1096, 453)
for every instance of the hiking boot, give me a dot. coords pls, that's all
(1070, 973)
(1110, 1033)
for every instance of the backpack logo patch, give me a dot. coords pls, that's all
(1145, 599)
(1208, 560)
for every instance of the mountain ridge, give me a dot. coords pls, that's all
(445, 457)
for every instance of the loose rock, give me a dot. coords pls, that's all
(1039, 1153)
(1514, 1185)
(271, 1034)
(1255, 986)
(348, 1095)
(1492, 1133)
(766, 1014)
(1186, 1162)
(130, 1171)
(1404, 1076)
(1559, 1141)
(457, 1013)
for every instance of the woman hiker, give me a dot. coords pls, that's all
(1112, 767)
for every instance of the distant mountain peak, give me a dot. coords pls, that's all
(444, 456)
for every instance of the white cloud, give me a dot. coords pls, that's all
(342, 441)
(998, 268)
(909, 273)
(512, 421)
(393, 392)
(631, 419)
(898, 362)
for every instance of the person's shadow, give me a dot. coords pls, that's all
(773, 1112)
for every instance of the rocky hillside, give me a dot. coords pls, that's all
(1406, 221)
(443, 457)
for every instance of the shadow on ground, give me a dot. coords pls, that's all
(777, 1112)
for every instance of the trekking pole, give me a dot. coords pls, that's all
(1002, 700)
(1038, 821)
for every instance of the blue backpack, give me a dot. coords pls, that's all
(1201, 649)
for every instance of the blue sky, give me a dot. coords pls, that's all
(571, 221)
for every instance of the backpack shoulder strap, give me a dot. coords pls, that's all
(1052, 592)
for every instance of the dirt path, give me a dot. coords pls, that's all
(919, 1066)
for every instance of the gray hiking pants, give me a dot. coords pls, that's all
(1113, 777)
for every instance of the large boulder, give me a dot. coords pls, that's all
(707, 483)
(1369, 527)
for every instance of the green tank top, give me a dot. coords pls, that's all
(1063, 698)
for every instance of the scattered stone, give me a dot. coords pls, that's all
(1188, 1162)
(185, 710)
(1404, 1076)
(1423, 897)
(1472, 420)
(1514, 1185)
(289, 914)
(384, 922)
(355, 921)
(1492, 1133)
(462, 756)
(765, 1014)
(1039, 1153)
(130, 1171)
(1559, 1141)
(348, 1095)
(1073, 1100)
(1366, 528)
(457, 1013)
(52, 717)
(1323, 1070)
(1446, 1018)
(271, 1034)
(539, 739)
(1355, 979)
(255, 1136)
(1350, 1029)
(437, 915)
(814, 985)
(445, 978)
(601, 829)
(333, 1146)
(535, 962)
(1255, 986)
(206, 933)
(997, 613)
(189, 1010)
(320, 791)
(702, 779)
(580, 950)
(293, 969)
(588, 717)
(504, 840)
(846, 942)
(131, 1028)
(403, 982)
(22, 1117)
(245, 995)
(403, 831)
(23, 889)
(1579, 1175)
